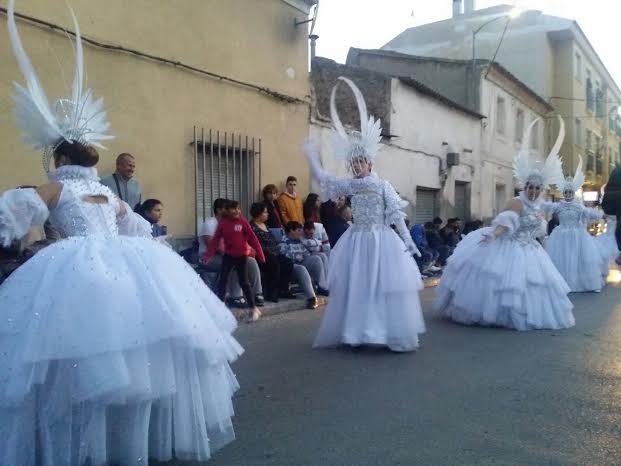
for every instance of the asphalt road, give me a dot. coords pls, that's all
(470, 395)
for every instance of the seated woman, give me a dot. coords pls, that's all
(277, 270)
(311, 208)
(306, 268)
(151, 210)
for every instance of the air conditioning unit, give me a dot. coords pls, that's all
(452, 159)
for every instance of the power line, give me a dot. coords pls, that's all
(177, 64)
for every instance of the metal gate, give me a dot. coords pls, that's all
(501, 199)
(226, 165)
(462, 209)
(425, 208)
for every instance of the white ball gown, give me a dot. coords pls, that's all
(510, 282)
(374, 283)
(607, 243)
(573, 250)
(112, 350)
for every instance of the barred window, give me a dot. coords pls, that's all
(228, 165)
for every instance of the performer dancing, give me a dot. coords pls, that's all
(112, 350)
(607, 244)
(373, 279)
(501, 276)
(572, 249)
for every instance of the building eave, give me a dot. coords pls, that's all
(303, 6)
(423, 89)
(480, 63)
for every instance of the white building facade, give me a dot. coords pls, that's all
(507, 104)
(432, 145)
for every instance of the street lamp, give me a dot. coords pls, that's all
(514, 13)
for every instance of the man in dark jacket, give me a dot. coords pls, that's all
(611, 202)
(436, 243)
(340, 224)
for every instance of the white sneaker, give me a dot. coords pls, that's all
(254, 316)
(433, 268)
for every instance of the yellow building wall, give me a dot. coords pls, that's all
(573, 107)
(563, 86)
(153, 107)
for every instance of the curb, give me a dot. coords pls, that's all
(293, 305)
(288, 305)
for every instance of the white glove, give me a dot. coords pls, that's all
(404, 233)
(311, 151)
(413, 250)
(487, 237)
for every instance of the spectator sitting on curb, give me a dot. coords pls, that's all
(311, 208)
(435, 242)
(277, 269)
(426, 261)
(314, 246)
(151, 210)
(274, 221)
(214, 265)
(236, 234)
(328, 213)
(292, 247)
(341, 224)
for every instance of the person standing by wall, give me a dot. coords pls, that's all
(290, 204)
(122, 181)
(611, 203)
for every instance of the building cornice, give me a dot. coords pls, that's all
(576, 33)
(303, 6)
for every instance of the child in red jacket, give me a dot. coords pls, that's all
(236, 234)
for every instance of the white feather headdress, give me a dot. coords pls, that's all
(528, 170)
(364, 143)
(575, 183)
(78, 118)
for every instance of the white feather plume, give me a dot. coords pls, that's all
(522, 164)
(364, 143)
(526, 168)
(579, 175)
(78, 118)
(574, 184)
(32, 110)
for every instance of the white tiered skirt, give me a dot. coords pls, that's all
(112, 350)
(374, 287)
(505, 283)
(576, 256)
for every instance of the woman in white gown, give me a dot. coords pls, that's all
(572, 249)
(112, 350)
(374, 280)
(501, 276)
(607, 244)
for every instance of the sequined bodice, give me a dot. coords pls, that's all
(73, 216)
(532, 223)
(375, 203)
(570, 215)
(368, 209)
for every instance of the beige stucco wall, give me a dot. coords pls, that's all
(153, 107)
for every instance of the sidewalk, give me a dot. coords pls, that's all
(291, 305)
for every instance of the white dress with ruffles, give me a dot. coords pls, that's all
(572, 249)
(374, 283)
(112, 349)
(607, 243)
(510, 282)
